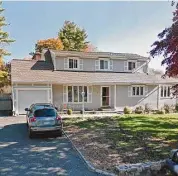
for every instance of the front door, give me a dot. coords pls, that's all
(105, 97)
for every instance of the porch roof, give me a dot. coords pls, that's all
(25, 71)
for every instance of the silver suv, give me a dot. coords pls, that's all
(43, 119)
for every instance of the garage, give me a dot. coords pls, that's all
(28, 97)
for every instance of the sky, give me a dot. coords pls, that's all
(129, 27)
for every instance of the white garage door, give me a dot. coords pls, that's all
(28, 97)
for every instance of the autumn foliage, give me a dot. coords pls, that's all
(90, 48)
(70, 38)
(4, 41)
(51, 43)
(167, 46)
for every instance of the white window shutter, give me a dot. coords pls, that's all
(125, 66)
(111, 65)
(96, 64)
(81, 64)
(90, 94)
(129, 91)
(146, 90)
(66, 63)
(64, 94)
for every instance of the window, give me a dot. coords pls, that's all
(131, 65)
(165, 91)
(73, 63)
(137, 90)
(104, 64)
(75, 93)
(45, 113)
(86, 92)
(75, 88)
(69, 93)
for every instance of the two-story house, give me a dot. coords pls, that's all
(113, 80)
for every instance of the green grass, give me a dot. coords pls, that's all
(136, 137)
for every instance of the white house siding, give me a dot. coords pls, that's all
(60, 63)
(58, 99)
(124, 100)
(112, 96)
(118, 65)
(168, 101)
(89, 64)
(58, 95)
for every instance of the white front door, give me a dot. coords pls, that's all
(105, 96)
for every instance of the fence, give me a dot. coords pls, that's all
(5, 105)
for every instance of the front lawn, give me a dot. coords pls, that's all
(107, 142)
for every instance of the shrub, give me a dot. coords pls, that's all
(127, 110)
(100, 109)
(93, 111)
(176, 107)
(168, 108)
(148, 108)
(139, 110)
(81, 111)
(161, 111)
(69, 111)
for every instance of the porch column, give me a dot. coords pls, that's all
(158, 96)
(115, 96)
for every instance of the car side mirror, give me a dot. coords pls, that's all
(56, 108)
(26, 109)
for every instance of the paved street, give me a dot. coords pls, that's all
(20, 155)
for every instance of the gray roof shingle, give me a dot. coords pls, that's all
(24, 71)
(100, 54)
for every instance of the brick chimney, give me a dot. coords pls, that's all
(36, 56)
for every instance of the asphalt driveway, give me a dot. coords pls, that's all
(44, 155)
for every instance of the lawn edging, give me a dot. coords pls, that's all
(146, 168)
(89, 165)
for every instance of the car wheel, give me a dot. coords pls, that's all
(59, 133)
(30, 134)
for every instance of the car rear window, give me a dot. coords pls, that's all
(45, 113)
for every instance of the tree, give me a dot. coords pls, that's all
(51, 43)
(90, 48)
(167, 46)
(73, 37)
(4, 40)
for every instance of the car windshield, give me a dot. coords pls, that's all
(45, 113)
(42, 105)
